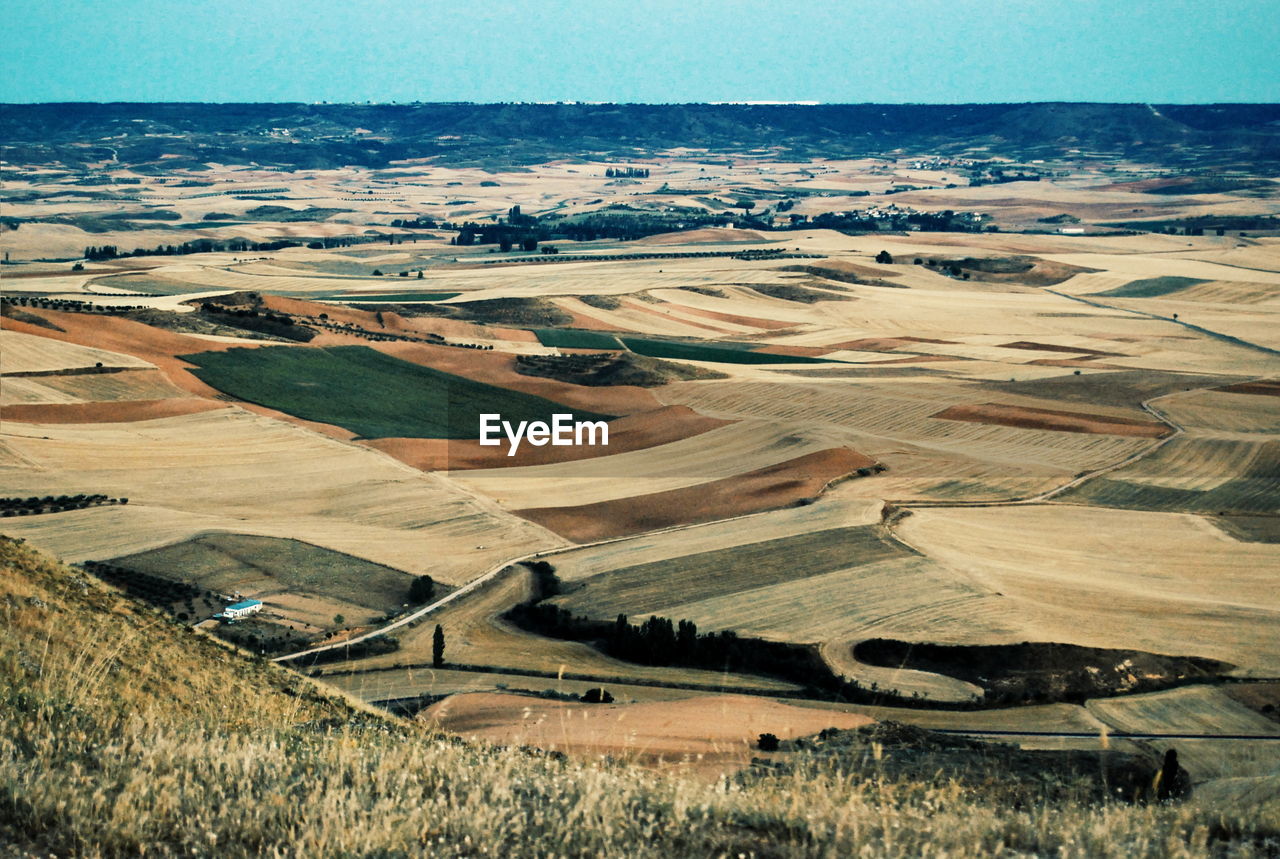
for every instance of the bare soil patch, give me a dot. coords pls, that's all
(1026, 417)
(780, 485)
(632, 432)
(108, 412)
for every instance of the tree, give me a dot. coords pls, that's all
(767, 743)
(529, 244)
(377, 272)
(885, 258)
(419, 274)
(421, 590)
(339, 620)
(437, 647)
(597, 695)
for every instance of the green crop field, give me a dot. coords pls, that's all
(647, 587)
(1152, 287)
(225, 563)
(372, 394)
(572, 338)
(718, 353)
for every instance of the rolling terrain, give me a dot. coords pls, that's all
(897, 402)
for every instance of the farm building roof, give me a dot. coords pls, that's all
(243, 604)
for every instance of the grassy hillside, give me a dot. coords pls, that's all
(367, 392)
(122, 733)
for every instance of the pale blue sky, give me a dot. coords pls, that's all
(638, 51)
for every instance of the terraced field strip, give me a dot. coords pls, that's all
(643, 589)
(368, 392)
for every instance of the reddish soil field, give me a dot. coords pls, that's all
(767, 488)
(751, 321)
(802, 351)
(707, 733)
(1049, 347)
(1266, 388)
(1051, 419)
(122, 411)
(633, 432)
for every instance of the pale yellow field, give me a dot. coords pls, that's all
(263, 476)
(1168, 583)
(27, 353)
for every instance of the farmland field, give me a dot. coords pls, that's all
(258, 565)
(570, 339)
(367, 392)
(870, 420)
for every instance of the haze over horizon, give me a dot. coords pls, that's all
(916, 51)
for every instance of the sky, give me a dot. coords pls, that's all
(655, 51)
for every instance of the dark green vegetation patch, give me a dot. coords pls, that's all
(719, 353)
(1152, 287)
(226, 563)
(372, 394)
(572, 338)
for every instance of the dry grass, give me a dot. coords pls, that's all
(118, 736)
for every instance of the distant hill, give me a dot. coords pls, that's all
(309, 136)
